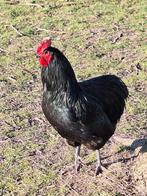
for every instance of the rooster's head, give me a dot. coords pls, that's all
(43, 53)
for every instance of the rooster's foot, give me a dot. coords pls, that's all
(99, 169)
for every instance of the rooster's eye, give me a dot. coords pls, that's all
(45, 52)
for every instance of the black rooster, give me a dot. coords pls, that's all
(82, 112)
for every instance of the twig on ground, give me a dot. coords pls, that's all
(69, 3)
(34, 4)
(54, 31)
(12, 2)
(117, 38)
(29, 49)
(16, 30)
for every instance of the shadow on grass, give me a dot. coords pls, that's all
(137, 143)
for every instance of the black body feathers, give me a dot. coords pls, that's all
(85, 112)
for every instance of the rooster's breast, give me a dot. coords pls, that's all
(59, 116)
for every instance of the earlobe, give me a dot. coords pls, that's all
(45, 60)
(49, 58)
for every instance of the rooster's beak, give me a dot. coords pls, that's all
(37, 56)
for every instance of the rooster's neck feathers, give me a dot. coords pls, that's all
(59, 76)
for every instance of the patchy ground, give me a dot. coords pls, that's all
(98, 37)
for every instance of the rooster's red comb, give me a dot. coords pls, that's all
(44, 44)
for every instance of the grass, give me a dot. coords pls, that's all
(98, 37)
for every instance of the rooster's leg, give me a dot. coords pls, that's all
(77, 158)
(99, 167)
